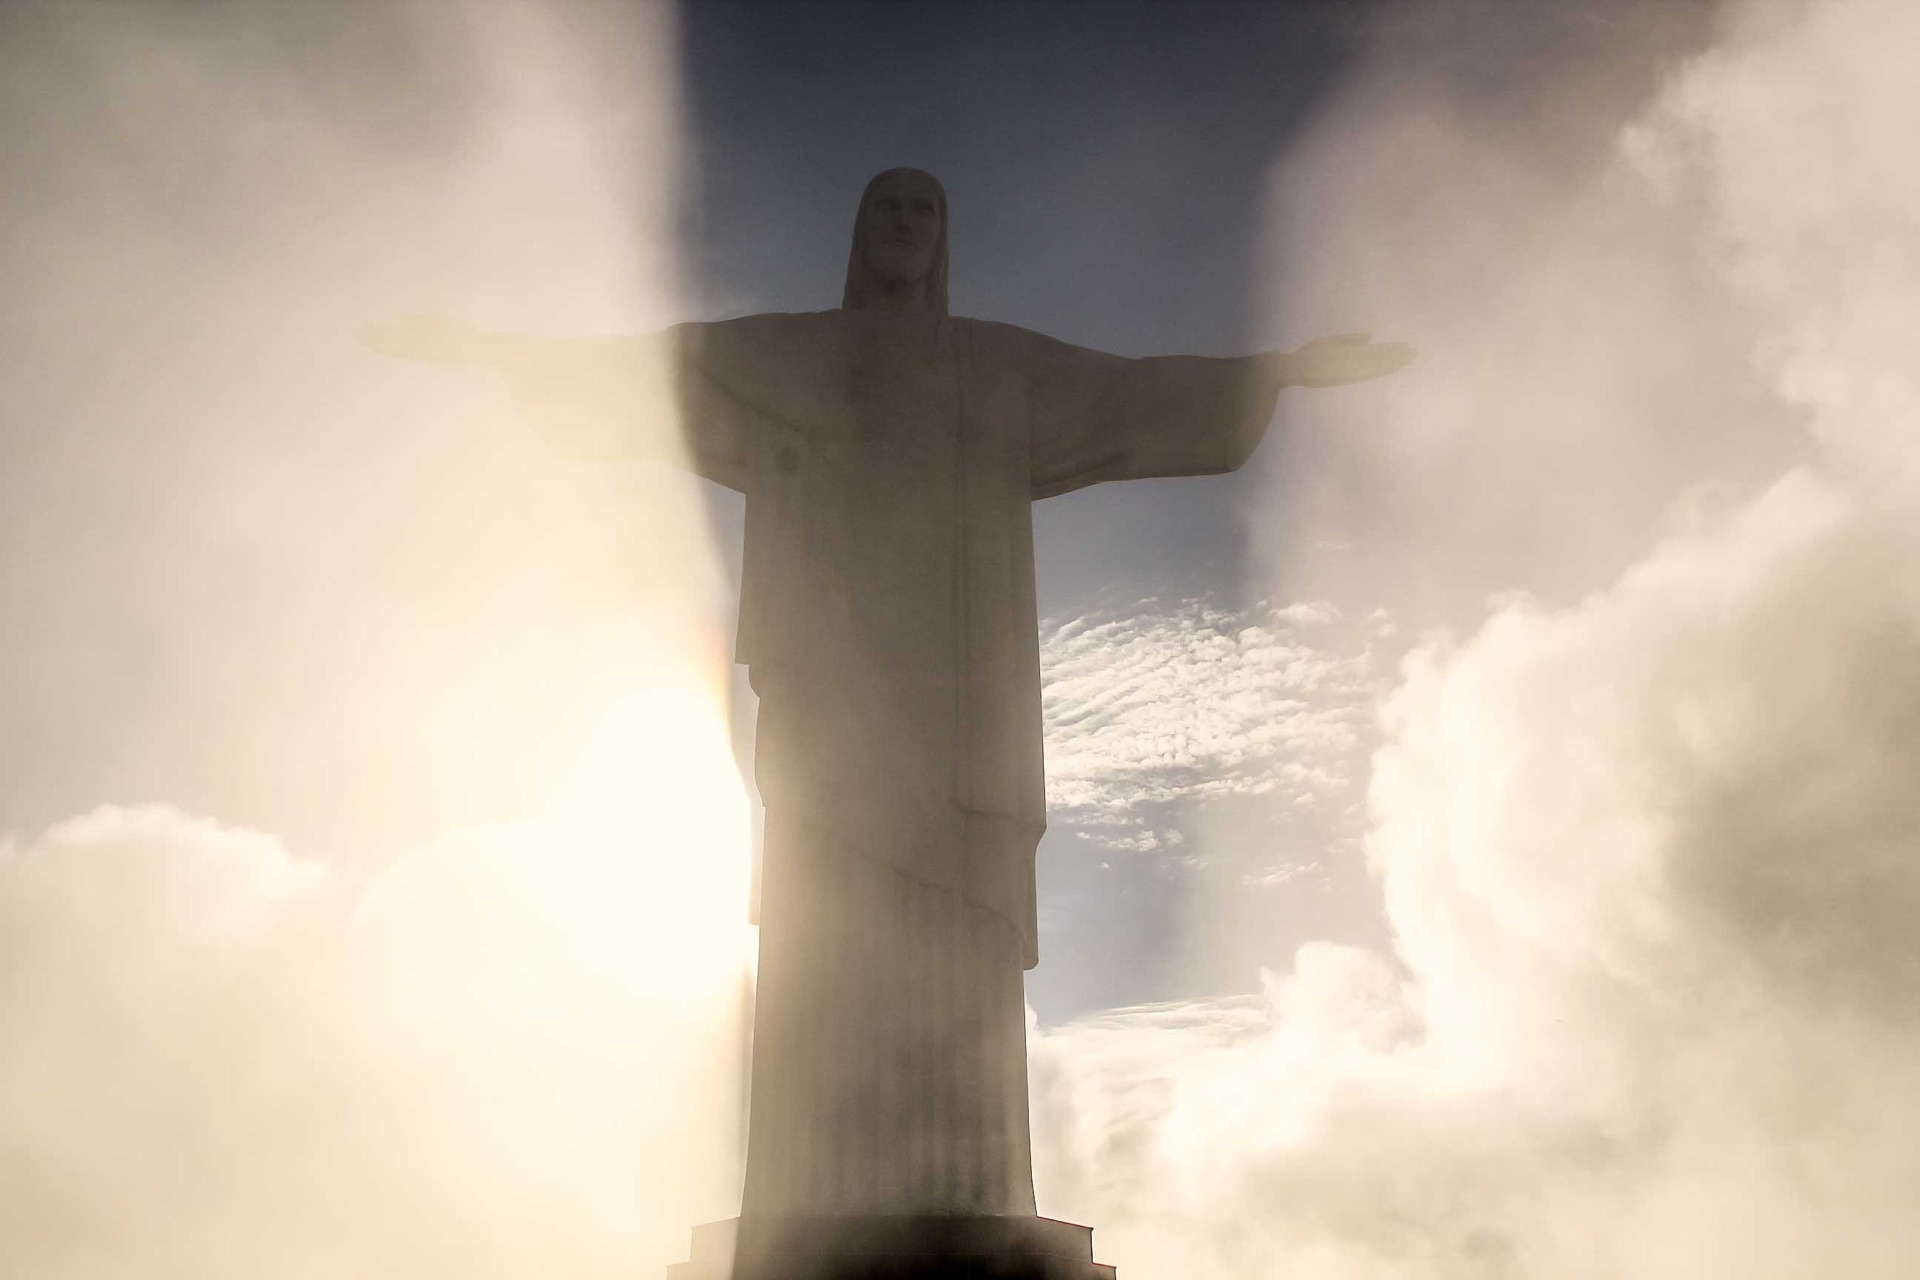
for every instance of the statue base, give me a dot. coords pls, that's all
(923, 1247)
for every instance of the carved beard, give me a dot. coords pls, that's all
(897, 264)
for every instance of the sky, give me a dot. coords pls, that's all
(1481, 839)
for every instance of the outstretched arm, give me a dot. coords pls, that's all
(594, 397)
(1337, 361)
(437, 340)
(1099, 417)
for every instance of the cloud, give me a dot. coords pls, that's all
(487, 1019)
(1650, 866)
(370, 589)
(1651, 855)
(518, 1048)
(1153, 705)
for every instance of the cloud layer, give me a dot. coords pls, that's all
(520, 1048)
(263, 572)
(1150, 707)
(1652, 856)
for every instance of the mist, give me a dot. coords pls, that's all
(1640, 811)
(413, 936)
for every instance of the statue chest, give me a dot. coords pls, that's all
(896, 481)
(885, 506)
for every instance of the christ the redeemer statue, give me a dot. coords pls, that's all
(890, 456)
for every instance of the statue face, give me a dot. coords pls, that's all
(900, 228)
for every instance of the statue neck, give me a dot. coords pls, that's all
(908, 295)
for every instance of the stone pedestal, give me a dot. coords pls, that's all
(932, 1247)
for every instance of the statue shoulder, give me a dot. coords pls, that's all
(786, 364)
(768, 327)
(778, 338)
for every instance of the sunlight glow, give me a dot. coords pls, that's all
(624, 903)
(576, 985)
(648, 838)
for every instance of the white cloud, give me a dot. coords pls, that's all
(1652, 860)
(1651, 865)
(366, 585)
(518, 1049)
(1157, 705)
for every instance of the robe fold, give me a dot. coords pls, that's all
(890, 463)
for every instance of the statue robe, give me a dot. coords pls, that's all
(890, 463)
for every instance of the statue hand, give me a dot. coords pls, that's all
(1345, 358)
(432, 340)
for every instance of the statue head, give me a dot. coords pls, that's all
(899, 255)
